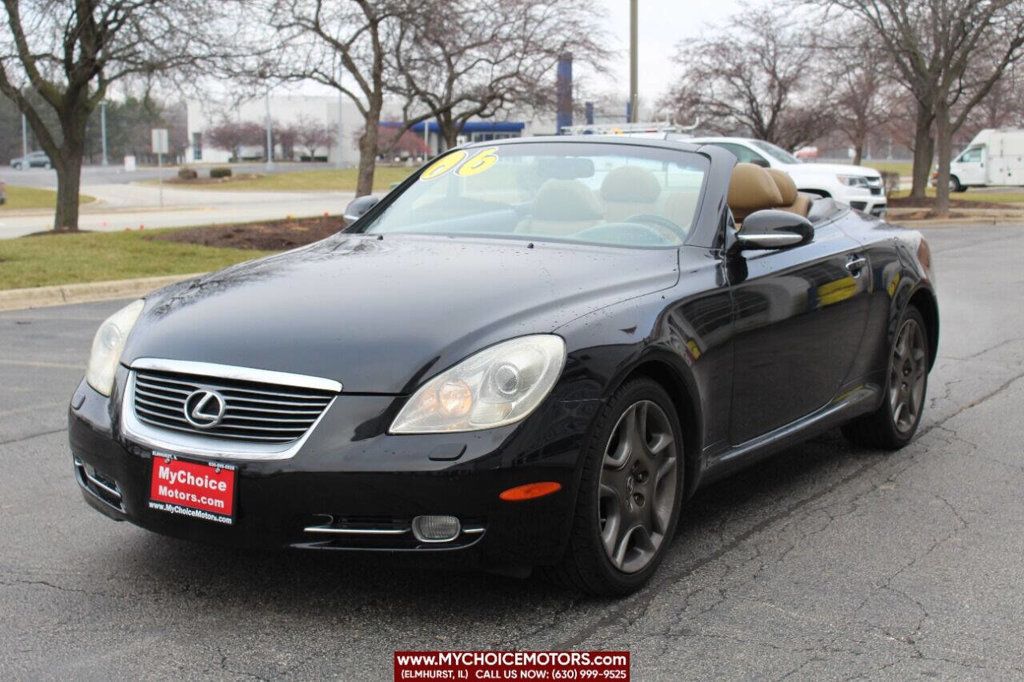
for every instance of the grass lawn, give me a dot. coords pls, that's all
(904, 168)
(100, 256)
(322, 179)
(30, 197)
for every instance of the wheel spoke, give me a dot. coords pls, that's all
(897, 412)
(661, 441)
(640, 412)
(618, 458)
(666, 467)
(611, 507)
(621, 547)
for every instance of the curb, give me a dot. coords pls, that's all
(64, 294)
(958, 222)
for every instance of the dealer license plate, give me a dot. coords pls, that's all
(196, 489)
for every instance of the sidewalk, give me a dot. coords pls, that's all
(130, 206)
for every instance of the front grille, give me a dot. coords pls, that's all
(876, 191)
(267, 413)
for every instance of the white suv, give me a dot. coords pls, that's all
(857, 186)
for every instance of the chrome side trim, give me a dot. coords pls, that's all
(332, 530)
(204, 447)
(84, 471)
(215, 371)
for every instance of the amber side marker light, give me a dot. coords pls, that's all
(530, 491)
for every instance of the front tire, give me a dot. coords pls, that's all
(954, 184)
(894, 424)
(630, 495)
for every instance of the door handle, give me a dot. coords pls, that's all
(856, 264)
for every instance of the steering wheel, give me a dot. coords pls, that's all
(657, 221)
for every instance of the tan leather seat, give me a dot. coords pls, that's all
(679, 207)
(751, 189)
(628, 191)
(792, 200)
(561, 208)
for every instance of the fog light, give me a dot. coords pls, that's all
(436, 528)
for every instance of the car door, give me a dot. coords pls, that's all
(799, 317)
(970, 166)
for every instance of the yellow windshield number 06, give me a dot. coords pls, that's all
(480, 162)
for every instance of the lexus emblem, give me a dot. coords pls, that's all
(204, 408)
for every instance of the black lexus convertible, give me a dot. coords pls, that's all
(530, 353)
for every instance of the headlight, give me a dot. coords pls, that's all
(107, 346)
(497, 386)
(853, 180)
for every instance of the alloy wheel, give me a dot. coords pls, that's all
(638, 486)
(907, 374)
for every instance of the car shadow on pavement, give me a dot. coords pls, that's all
(308, 581)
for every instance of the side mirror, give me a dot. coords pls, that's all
(773, 229)
(758, 161)
(358, 207)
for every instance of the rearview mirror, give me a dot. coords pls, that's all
(758, 161)
(773, 229)
(358, 207)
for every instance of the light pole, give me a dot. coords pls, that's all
(24, 135)
(270, 137)
(633, 68)
(341, 128)
(103, 130)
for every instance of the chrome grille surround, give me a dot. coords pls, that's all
(268, 415)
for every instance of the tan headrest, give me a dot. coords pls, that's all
(787, 188)
(630, 184)
(679, 207)
(565, 200)
(752, 189)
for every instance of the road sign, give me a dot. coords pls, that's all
(159, 140)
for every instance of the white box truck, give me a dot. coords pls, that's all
(994, 157)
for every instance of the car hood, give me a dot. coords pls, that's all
(831, 169)
(381, 315)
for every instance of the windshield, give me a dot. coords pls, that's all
(594, 193)
(777, 153)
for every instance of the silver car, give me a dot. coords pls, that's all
(32, 160)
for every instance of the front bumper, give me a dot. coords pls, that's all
(872, 202)
(352, 475)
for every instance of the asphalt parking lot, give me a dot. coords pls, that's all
(827, 562)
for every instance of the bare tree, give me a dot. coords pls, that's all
(862, 88)
(342, 44)
(311, 135)
(286, 134)
(233, 135)
(466, 59)
(948, 55)
(754, 78)
(70, 53)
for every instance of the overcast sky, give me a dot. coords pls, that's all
(663, 23)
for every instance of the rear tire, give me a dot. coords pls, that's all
(895, 422)
(630, 494)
